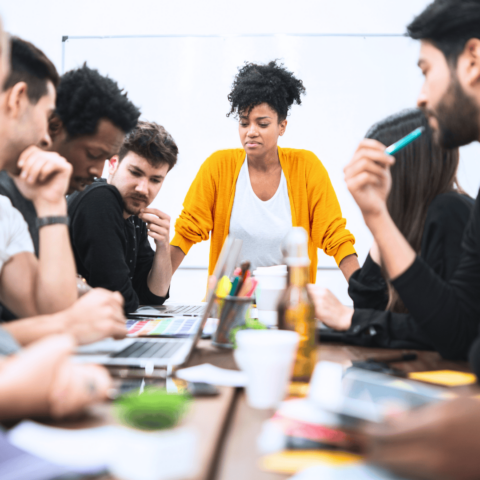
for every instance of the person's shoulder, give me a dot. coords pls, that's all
(10, 217)
(222, 163)
(220, 157)
(99, 196)
(97, 191)
(6, 207)
(448, 211)
(6, 183)
(451, 204)
(300, 156)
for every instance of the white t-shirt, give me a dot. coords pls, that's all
(14, 235)
(261, 226)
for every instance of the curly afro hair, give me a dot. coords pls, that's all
(84, 97)
(272, 84)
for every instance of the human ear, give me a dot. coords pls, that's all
(468, 66)
(17, 100)
(283, 127)
(113, 164)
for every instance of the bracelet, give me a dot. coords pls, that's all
(45, 221)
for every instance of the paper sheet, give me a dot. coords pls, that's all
(208, 373)
(16, 464)
(292, 461)
(85, 451)
(449, 378)
(356, 472)
(125, 452)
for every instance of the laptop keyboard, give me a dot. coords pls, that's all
(183, 309)
(149, 350)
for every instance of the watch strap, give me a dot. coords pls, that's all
(45, 221)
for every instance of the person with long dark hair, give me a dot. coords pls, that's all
(430, 209)
(258, 192)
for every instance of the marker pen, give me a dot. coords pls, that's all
(403, 142)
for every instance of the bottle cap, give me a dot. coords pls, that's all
(295, 248)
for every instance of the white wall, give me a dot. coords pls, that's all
(45, 22)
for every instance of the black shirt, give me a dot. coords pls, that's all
(22, 204)
(440, 252)
(449, 312)
(110, 251)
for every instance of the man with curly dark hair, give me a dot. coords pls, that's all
(257, 192)
(111, 221)
(91, 117)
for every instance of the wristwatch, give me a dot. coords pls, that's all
(44, 221)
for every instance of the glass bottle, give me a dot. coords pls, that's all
(295, 309)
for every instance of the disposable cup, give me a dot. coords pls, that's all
(272, 281)
(267, 357)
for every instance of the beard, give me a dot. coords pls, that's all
(133, 205)
(458, 117)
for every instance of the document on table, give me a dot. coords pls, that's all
(85, 451)
(208, 373)
(124, 452)
(17, 464)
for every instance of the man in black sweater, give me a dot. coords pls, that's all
(441, 441)
(110, 221)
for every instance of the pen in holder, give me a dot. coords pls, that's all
(231, 314)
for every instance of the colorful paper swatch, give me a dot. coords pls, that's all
(165, 327)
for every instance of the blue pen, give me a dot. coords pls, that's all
(403, 142)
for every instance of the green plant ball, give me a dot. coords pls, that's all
(154, 409)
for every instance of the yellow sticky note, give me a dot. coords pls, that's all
(292, 461)
(449, 378)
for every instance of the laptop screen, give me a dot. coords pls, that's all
(189, 326)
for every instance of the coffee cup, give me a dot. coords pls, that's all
(272, 282)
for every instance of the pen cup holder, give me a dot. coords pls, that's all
(231, 313)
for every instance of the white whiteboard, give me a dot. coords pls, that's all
(183, 82)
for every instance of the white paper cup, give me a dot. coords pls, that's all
(267, 357)
(272, 281)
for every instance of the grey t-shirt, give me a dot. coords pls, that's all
(23, 205)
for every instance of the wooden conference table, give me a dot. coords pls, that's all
(229, 428)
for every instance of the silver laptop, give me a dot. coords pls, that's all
(162, 352)
(171, 309)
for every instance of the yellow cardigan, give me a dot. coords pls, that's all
(209, 202)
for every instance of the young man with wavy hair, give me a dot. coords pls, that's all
(111, 221)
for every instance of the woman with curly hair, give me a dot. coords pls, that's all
(258, 192)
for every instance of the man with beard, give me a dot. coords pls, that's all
(110, 221)
(447, 313)
(88, 126)
(442, 441)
